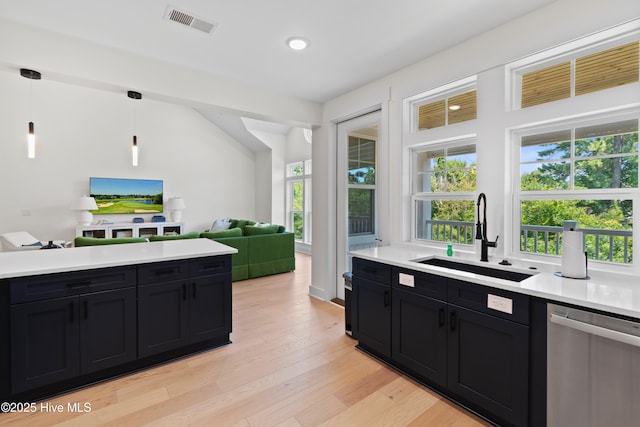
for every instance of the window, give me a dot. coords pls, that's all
(362, 184)
(447, 111)
(585, 172)
(299, 200)
(444, 185)
(578, 74)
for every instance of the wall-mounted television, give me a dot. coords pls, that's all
(126, 196)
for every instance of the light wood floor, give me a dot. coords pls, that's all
(290, 364)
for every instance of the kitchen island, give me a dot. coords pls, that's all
(70, 317)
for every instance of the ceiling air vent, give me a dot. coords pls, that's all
(190, 20)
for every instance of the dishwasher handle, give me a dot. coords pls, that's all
(595, 330)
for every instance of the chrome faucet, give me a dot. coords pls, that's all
(481, 230)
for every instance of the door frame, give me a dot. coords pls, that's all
(343, 128)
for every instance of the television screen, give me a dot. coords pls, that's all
(126, 196)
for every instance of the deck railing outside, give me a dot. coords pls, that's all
(603, 245)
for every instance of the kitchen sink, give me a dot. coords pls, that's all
(513, 276)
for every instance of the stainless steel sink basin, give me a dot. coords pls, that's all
(513, 276)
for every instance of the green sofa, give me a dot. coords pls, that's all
(262, 249)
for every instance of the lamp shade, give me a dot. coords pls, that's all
(84, 203)
(176, 204)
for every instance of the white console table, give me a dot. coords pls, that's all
(129, 229)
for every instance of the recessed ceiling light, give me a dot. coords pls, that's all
(454, 107)
(297, 43)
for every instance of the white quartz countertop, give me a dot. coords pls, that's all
(31, 263)
(612, 293)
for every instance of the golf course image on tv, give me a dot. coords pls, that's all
(126, 196)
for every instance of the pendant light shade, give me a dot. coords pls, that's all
(134, 151)
(31, 135)
(134, 146)
(31, 142)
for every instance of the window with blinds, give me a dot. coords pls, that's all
(598, 71)
(447, 111)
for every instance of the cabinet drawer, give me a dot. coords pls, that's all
(425, 284)
(210, 265)
(162, 272)
(371, 270)
(497, 302)
(35, 288)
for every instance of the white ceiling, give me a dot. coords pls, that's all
(352, 42)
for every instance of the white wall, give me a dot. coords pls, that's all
(560, 22)
(84, 132)
(270, 165)
(298, 149)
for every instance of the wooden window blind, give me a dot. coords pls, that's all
(440, 112)
(467, 107)
(610, 68)
(602, 70)
(546, 85)
(432, 115)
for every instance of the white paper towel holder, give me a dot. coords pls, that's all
(586, 269)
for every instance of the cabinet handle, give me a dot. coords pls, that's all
(86, 309)
(453, 321)
(441, 317)
(211, 266)
(193, 290)
(386, 298)
(184, 291)
(77, 283)
(164, 272)
(71, 309)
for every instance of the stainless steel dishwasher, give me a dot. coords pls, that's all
(593, 369)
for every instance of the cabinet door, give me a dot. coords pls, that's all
(163, 318)
(210, 307)
(419, 335)
(107, 329)
(371, 315)
(488, 363)
(44, 343)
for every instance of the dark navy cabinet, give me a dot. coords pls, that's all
(64, 330)
(181, 303)
(446, 334)
(90, 329)
(371, 309)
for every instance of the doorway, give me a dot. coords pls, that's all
(357, 189)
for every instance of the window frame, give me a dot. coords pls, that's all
(518, 195)
(306, 180)
(426, 196)
(566, 53)
(441, 93)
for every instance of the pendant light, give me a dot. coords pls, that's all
(134, 146)
(31, 135)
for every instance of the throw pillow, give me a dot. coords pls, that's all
(232, 232)
(221, 224)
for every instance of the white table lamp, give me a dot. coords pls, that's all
(175, 205)
(84, 205)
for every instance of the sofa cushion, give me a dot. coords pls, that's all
(232, 232)
(94, 241)
(158, 238)
(254, 230)
(240, 223)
